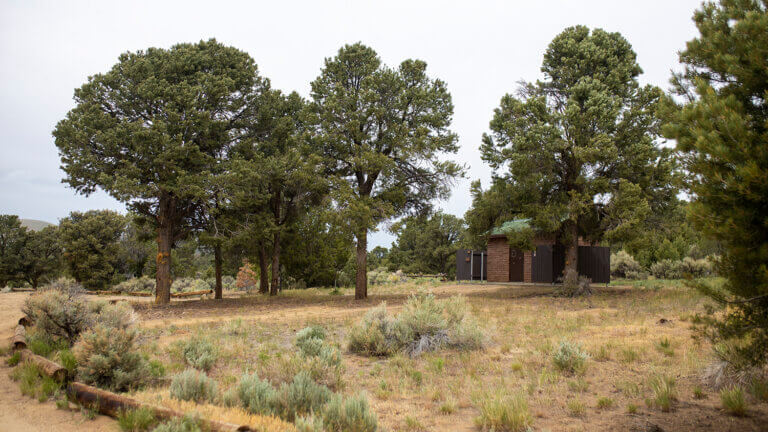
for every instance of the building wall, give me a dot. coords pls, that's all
(498, 259)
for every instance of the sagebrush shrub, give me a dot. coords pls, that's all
(119, 316)
(133, 285)
(200, 353)
(425, 324)
(256, 395)
(184, 424)
(107, 358)
(574, 285)
(667, 269)
(59, 311)
(351, 414)
(193, 385)
(696, 268)
(300, 397)
(189, 285)
(570, 358)
(310, 423)
(623, 265)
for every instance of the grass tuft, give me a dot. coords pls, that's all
(503, 413)
(733, 401)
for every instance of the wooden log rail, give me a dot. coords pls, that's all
(145, 294)
(103, 401)
(52, 369)
(19, 339)
(112, 404)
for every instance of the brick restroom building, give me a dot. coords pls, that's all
(544, 264)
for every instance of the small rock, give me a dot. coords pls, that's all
(664, 321)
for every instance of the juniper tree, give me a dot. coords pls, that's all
(91, 243)
(578, 149)
(721, 128)
(382, 132)
(41, 256)
(149, 132)
(12, 239)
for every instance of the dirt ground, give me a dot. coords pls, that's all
(622, 316)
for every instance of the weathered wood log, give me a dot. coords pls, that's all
(19, 339)
(25, 321)
(112, 404)
(22, 289)
(191, 293)
(52, 369)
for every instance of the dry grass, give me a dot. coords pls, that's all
(619, 326)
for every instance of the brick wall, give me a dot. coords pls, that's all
(498, 260)
(527, 266)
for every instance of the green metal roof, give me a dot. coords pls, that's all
(512, 226)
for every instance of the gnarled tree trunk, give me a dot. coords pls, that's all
(571, 246)
(361, 276)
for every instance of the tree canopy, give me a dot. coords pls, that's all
(721, 128)
(381, 131)
(150, 130)
(91, 243)
(578, 150)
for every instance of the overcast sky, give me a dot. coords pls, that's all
(481, 49)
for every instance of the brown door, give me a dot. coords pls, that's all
(516, 261)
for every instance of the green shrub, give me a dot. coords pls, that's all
(604, 402)
(576, 408)
(302, 396)
(42, 345)
(184, 424)
(624, 266)
(351, 414)
(133, 285)
(200, 353)
(14, 359)
(107, 358)
(136, 420)
(193, 385)
(425, 324)
(67, 359)
(503, 413)
(759, 389)
(733, 401)
(59, 311)
(256, 395)
(663, 388)
(570, 358)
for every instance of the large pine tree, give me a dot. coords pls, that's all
(721, 127)
(578, 150)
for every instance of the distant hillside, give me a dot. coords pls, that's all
(34, 225)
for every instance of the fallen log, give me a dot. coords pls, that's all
(52, 369)
(191, 293)
(25, 321)
(112, 404)
(19, 339)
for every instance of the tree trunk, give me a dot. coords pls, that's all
(263, 271)
(361, 278)
(163, 275)
(571, 245)
(275, 286)
(217, 264)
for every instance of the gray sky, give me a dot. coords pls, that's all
(480, 48)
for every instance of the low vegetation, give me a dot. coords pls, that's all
(425, 324)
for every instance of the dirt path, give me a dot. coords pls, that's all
(21, 413)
